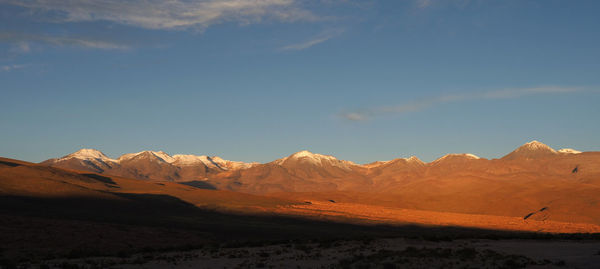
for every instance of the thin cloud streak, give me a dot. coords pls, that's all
(415, 106)
(306, 44)
(21, 39)
(173, 14)
(326, 35)
(6, 68)
(424, 3)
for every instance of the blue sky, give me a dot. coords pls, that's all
(258, 80)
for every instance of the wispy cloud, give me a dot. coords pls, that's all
(21, 47)
(419, 105)
(326, 35)
(306, 44)
(6, 68)
(172, 14)
(22, 41)
(424, 3)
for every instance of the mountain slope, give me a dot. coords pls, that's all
(147, 165)
(531, 150)
(531, 177)
(86, 160)
(301, 171)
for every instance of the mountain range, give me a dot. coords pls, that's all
(147, 165)
(566, 182)
(307, 171)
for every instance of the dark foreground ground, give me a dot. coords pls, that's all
(154, 231)
(375, 253)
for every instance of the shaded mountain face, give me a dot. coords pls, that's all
(147, 165)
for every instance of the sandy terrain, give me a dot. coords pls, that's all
(389, 215)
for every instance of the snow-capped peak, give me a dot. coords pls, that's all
(220, 162)
(536, 145)
(307, 156)
(159, 154)
(228, 165)
(415, 159)
(568, 151)
(459, 155)
(531, 150)
(410, 160)
(166, 157)
(188, 159)
(214, 162)
(87, 154)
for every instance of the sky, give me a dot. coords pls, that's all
(257, 80)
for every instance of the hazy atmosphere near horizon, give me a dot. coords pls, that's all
(259, 80)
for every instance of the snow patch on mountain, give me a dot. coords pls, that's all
(315, 159)
(375, 164)
(87, 154)
(568, 151)
(411, 159)
(232, 165)
(166, 157)
(213, 162)
(458, 155)
(531, 150)
(189, 159)
(306, 155)
(159, 154)
(414, 159)
(535, 145)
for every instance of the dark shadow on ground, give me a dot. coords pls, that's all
(87, 226)
(11, 164)
(100, 178)
(199, 184)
